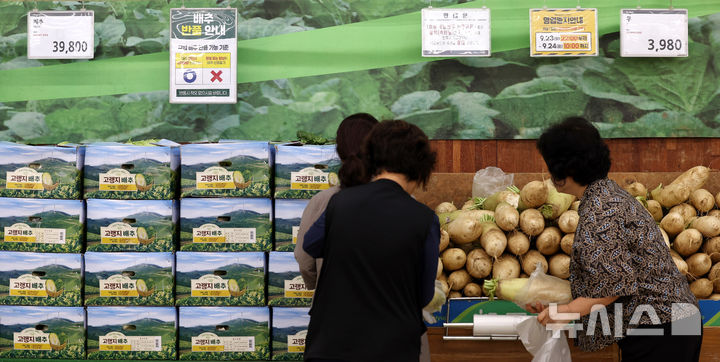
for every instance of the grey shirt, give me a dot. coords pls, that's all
(309, 266)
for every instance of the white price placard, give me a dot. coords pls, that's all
(456, 32)
(61, 34)
(654, 32)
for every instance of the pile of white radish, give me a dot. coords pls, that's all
(510, 233)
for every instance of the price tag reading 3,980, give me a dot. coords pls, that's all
(654, 32)
(61, 34)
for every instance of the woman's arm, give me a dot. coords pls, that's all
(581, 306)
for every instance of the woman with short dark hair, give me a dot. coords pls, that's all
(380, 251)
(619, 258)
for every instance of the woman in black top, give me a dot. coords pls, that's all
(619, 258)
(380, 250)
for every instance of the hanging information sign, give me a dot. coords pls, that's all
(654, 32)
(456, 32)
(61, 34)
(563, 32)
(203, 55)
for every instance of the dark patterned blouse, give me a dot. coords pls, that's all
(619, 251)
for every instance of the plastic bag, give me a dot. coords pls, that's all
(489, 181)
(543, 288)
(435, 304)
(541, 343)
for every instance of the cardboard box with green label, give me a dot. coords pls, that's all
(42, 332)
(289, 330)
(224, 333)
(227, 169)
(51, 279)
(223, 224)
(287, 223)
(301, 171)
(131, 225)
(131, 333)
(129, 279)
(285, 284)
(127, 171)
(220, 278)
(43, 225)
(48, 172)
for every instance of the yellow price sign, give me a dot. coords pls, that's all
(563, 32)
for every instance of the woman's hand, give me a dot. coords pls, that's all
(544, 316)
(534, 309)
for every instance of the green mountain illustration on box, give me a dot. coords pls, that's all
(130, 225)
(303, 171)
(61, 337)
(47, 172)
(224, 333)
(118, 171)
(43, 225)
(289, 330)
(131, 333)
(229, 169)
(225, 225)
(220, 278)
(128, 279)
(286, 287)
(288, 214)
(40, 279)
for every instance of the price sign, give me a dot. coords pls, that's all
(456, 32)
(654, 32)
(61, 34)
(563, 32)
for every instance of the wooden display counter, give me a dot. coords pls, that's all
(513, 351)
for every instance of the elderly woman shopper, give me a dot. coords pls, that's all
(620, 264)
(380, 251)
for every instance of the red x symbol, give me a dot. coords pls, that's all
(216, 75)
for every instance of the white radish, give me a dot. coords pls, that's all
(699, 264)
(688, 242)
(506, 267)
(655, 209)
(679, 190)
(479, 264)
(493, 240)
(702, 200)
(566, 243)
(533, 195)
(444, 207)
(517, 242)
(453, 259)
(506, 216)
(548, 242)
(444, 240)
(530, 261)
(673, 223)
(464, 230)
(560, 266)
(635, 188)
(701, 288)
(709, 226)
(568, 221)
(459, 279)
(532, 222)
(439, 268)
(687, 211)
(472, 290)
(712, 248)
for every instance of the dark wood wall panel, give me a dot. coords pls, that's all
(628, 155)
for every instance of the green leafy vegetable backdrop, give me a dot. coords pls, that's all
(509, 95)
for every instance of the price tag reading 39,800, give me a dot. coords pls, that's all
(61, 34)
(654, 32)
